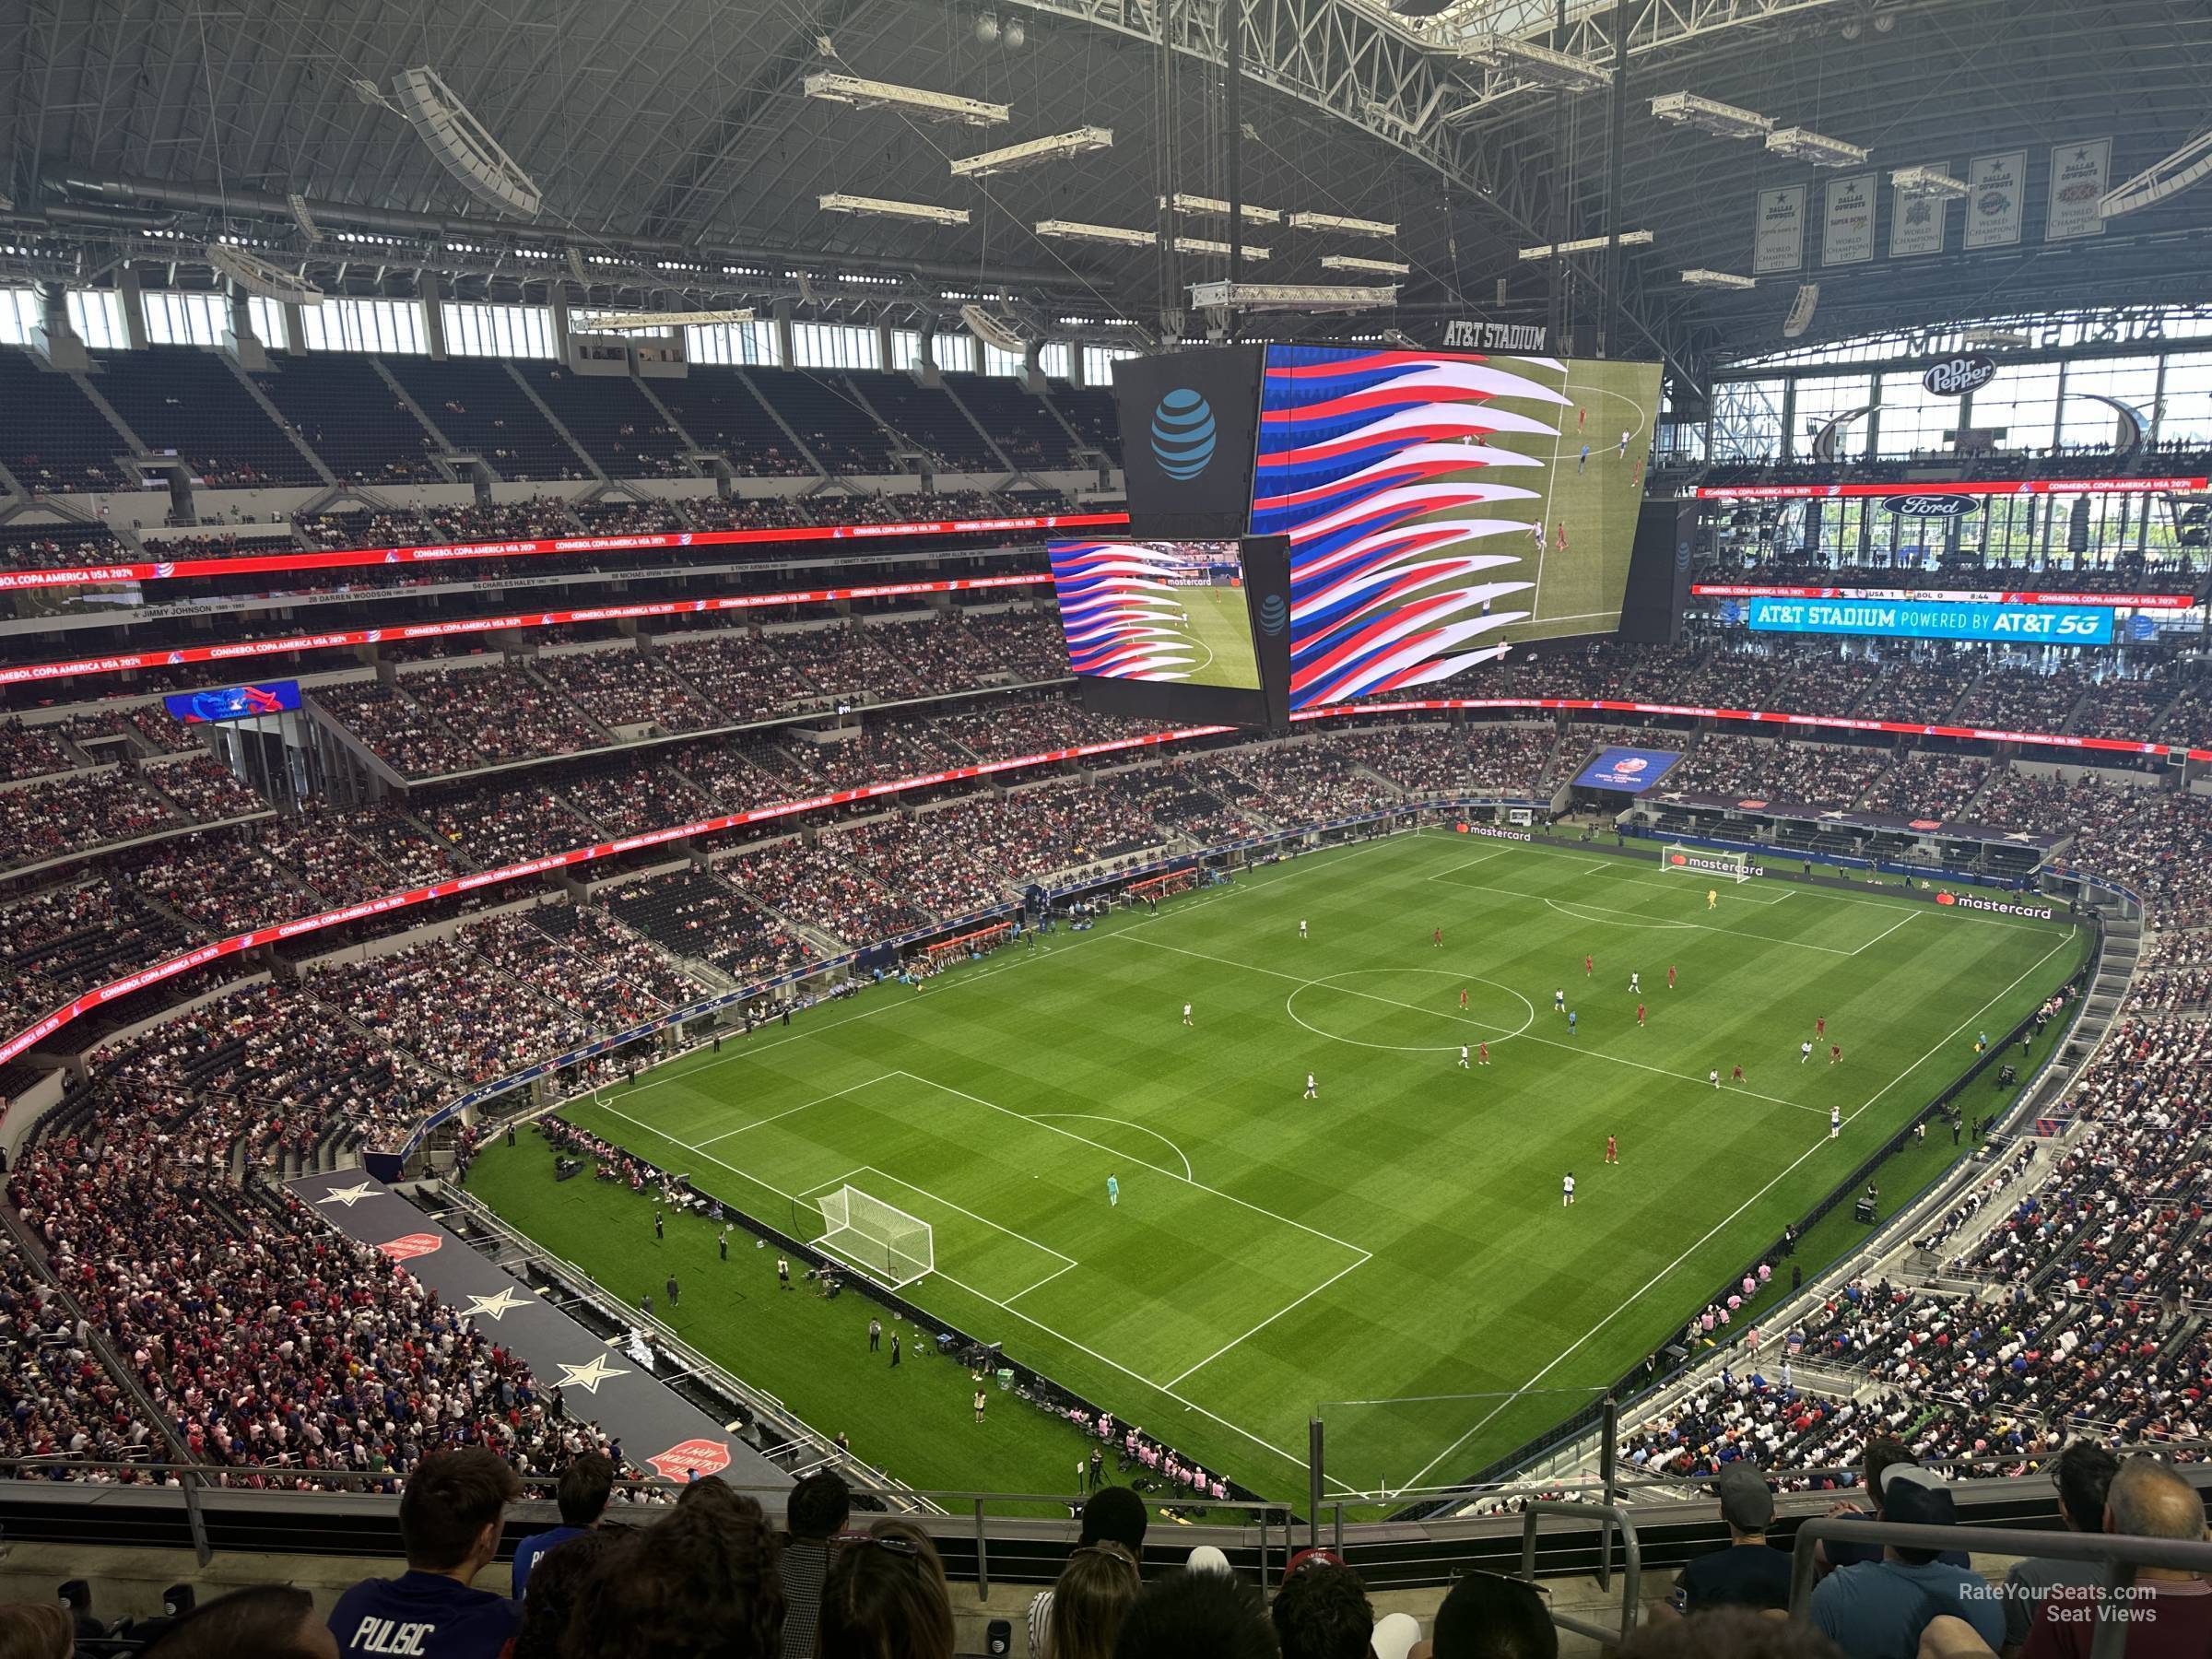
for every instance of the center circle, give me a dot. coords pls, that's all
(1407, 1000)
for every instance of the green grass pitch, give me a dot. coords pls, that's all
(1220, 624)
(1591, 504)
(1399, 1241)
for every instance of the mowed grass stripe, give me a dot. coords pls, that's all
(1450, 1178)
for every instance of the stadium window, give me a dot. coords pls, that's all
(1821, 400)
(18, 315)
(267, 317)
(1003, 363)
(1057, 359)
(1098, 362)
(97, 316)
(743, 345)
(503, 331)
(834, 346)
(2022, 404)
(345, 324)
(185, 319)
(2083, 420)
(2187, 417)
(1913, 420)
(955, 353)
(583, 321)
(1747, 421)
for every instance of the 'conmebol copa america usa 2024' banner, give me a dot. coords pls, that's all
(1633, 770)
(1923, 619)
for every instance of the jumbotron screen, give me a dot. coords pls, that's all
(1441, 506)
(1167, 612)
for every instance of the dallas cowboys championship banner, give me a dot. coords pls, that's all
(1917, 223)
(1778, 231)
(2080, 175)
(1995, 188)
(1847, 230)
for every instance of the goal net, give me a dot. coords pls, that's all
(881, 1241)
(1707, 862)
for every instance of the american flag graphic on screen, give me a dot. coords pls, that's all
(1120, 609)
(1412, 486)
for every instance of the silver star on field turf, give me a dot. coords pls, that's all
(497, 1307)
(349, 1197)
(589, 1375)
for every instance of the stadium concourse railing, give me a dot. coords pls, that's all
(248, 1511)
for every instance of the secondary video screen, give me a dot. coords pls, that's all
(1442, 507)
(1170, 612)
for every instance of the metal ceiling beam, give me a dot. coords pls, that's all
(1355, 62)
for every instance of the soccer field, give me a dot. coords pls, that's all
(1220, 626)
(1398, 1242)
(1589, 506)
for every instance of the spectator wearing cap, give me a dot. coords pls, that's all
(1878, 1610)
(1882, 1457)
(1113, 1515)
(2169, 1615)
(2083, 1475)
(1749, 1572)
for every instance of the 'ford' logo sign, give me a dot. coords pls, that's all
(1933, 506)
(1954, 377)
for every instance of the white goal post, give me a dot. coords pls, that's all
(880, 1239)
(1705, 861)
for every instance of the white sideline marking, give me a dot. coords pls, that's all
(1640, 919)
(1625, 1304)
(759, 1122)
(1467, 863)
(1041, 1284)
(1364, 1258)
(1885, 932)
(1570, 1047)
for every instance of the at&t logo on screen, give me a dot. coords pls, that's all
(1183, 434)
(1273, 613)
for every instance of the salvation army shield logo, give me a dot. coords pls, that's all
(408, 1246)
(679, 1461)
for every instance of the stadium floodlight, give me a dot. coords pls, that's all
(1801, 145)
(1200, 244)
(1211, 206)
(837, 201)
(1058, 148)
(1710, 116)
(1701, 277)
(1588, 245)
(1541, 65)
(1932, 182)
(257, 275)
(2161, 179)
(636, 322)
(1076, 230)
(913, 101)
(1290, 297)
(883, 1242)
(1378, 267)
(462, 143)
(1337, 221)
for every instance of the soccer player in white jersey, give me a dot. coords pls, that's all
(1567, 1195)
(1462, 1056)
(1312, 1092)
(1301, 927)
(1835, 1122)
(1714, 1076)
(1624, 446)
(1558, 1001)
(1804, 1052)
(1186, 1013)
(1635, 985)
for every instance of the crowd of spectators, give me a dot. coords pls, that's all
(408, 737)
(1808, 773)
(272, 1346)
(208, 790)
(625, 688)
(1925, 784)
(494, 826)
(69, 814)
(442, 1003)
(597, 970)
(690, 913)
(29, 751)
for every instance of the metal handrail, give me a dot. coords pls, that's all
(1632, 1577)
(2121, 1553)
